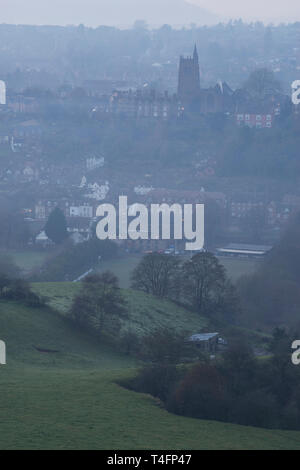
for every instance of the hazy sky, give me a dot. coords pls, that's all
(287, 10)
(95, 12)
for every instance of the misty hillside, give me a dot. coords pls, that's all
(106, 12)
(157, 12)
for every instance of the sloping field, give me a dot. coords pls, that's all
(69, 409)
(69, 399)
(145, 312)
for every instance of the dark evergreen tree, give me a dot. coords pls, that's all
(56, 226)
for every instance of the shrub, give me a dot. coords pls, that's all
(165, 346)
(100, 305)
(256, 408)
(158, 380)
(130, 343)
(19, 290)
(201, 394)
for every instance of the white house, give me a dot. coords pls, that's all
(81, 211)
(42, 239)
(98, 192)
(92, 163)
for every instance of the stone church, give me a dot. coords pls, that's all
(217, 99)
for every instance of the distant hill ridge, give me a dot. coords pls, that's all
(103, 12)
(158, 12)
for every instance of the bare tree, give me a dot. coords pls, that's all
(204, 279)
(100, 304)
(155, 274)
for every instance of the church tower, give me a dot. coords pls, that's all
(189, 78)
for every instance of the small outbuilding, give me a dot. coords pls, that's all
(42, 239)
(207, 342)
(240, 250)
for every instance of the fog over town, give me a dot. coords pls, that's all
(125, 12)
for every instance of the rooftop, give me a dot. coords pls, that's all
(246, 247)
(203, 336)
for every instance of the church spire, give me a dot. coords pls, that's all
(195, 56)
(189, 77)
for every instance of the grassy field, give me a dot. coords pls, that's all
(70, 400)
(87, 410)
(145, 312)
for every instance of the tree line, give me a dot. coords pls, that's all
(200, 283)
(237, 387)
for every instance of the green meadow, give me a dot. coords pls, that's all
(70, 399)
(145, 312)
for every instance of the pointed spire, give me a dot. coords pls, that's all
(196, 57)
